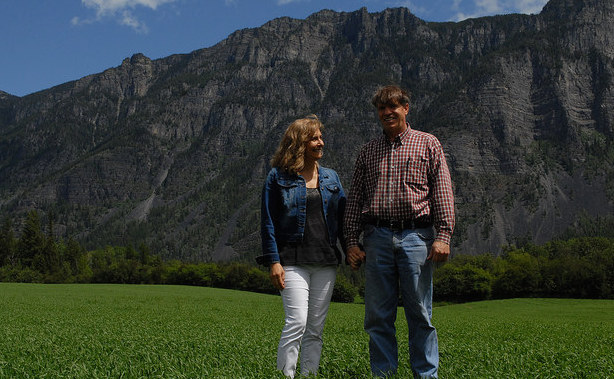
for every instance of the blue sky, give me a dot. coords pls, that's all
(47, 43)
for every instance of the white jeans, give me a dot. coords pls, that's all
(306, 298)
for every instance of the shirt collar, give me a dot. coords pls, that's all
(400, 139)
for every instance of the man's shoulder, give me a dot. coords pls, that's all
(425, 136)
(377, 141)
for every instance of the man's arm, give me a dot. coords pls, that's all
(355, 257)
(440, 252)
(443, 201)
(352, 218)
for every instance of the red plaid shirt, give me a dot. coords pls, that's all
(404, 179)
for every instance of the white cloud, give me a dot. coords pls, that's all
(121, 10)
(129, 20)
(493, 7)
(104, 7)
(78, 21)
(413, 8)
(530, 6)
(489, 6)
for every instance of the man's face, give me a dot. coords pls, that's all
(392, 117)
(313, 147)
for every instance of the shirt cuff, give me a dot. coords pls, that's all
(444, 237)
(351, 242)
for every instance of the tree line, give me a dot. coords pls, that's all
(37, 256)
(577, 267)
(581, 267)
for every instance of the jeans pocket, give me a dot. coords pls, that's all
(426, 234)
(368, 230)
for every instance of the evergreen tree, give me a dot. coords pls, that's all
(77, 260)
(51, 256)
(144, 253)
(32, 240)
(8, 243)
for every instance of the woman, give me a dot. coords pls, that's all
(302, 208)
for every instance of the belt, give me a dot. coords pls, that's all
(399, 224)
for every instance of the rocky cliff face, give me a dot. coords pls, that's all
(173, 152)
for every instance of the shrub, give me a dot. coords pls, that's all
(344, 291)
(462, 283)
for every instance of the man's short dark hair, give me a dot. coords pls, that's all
(390, 95)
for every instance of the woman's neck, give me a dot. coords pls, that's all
(310, 174)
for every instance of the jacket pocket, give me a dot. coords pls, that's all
(332, 188)
(288, 192)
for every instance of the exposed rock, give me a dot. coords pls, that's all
(172, 152)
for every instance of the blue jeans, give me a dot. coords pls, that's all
(398, 260)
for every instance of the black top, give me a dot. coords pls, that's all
(315, 248)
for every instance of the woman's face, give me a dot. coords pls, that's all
(313, 147)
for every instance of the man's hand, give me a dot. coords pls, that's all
(355, 257)
(278, 276)
(440, 251)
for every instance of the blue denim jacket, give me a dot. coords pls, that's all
(284, 206)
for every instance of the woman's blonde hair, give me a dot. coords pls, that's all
(290, 154)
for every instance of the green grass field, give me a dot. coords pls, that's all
(130, 331)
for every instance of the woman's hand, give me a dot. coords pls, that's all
(278, 276)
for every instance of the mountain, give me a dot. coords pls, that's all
(173, 152)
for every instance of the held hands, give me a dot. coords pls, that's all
(440, 252)
(278, 276)
(355, 257)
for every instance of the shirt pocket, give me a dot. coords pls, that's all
(416, 172)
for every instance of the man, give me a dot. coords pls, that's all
(401, 199)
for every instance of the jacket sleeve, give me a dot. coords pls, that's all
(268, 213)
